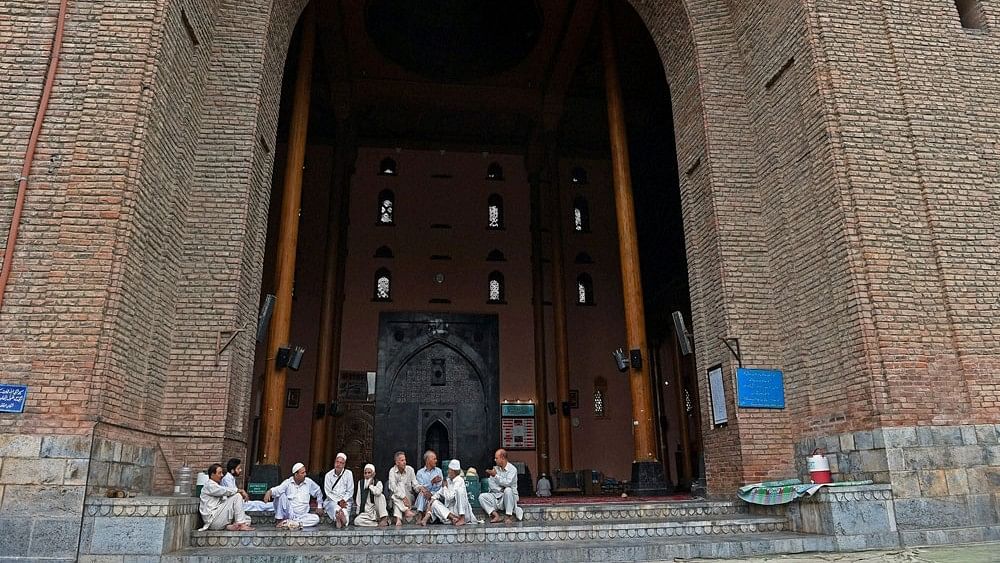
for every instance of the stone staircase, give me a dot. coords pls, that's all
(614, 531)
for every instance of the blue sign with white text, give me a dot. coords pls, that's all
(12, 397)
(760, 388)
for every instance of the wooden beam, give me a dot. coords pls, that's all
(566, 60)
(273, 407)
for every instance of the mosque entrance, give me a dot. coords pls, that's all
(437, 387)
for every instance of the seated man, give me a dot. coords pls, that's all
(339, 488)
(544, 486)
(402, 485)
(370, 501)
(291, 500)
(452, 501)
(222, 507)
(234, 470)
(503, 490)
(429, 481)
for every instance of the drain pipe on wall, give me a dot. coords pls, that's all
(29, 155)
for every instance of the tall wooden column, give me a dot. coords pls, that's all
(328, 346)
(647, 473)
(288, 235)
(567, 477)
(538, 316)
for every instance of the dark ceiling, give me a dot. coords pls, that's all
(476, 76)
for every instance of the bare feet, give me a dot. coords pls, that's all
(233, 527)
(425, 519)
(460, 521)
(494, 518)
(399, 522)
(409, 514)
(246, 528)
(508, 520)
(383, 522)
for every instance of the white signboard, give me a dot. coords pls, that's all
(718, 396)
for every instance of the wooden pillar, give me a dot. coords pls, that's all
(288, 235)
(644, 433)
(538, 316)
(328, 346)
(559, 312)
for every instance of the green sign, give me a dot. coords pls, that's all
(257, 488)
(517, 409)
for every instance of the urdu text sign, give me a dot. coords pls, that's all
(760, 388)
(13, 397)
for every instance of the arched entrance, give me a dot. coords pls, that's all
(677, 52)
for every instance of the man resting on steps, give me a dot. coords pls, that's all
(222, 507)
(291, 500)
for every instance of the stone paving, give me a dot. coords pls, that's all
(977, 553)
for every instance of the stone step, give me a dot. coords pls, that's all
(638, 548)
(632, 510)
(610, 511)
(267, 536)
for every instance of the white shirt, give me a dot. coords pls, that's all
(229, 480)
(344, 489)
(505, 477)
(298, 494)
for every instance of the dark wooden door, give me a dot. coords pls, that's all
(437, 387)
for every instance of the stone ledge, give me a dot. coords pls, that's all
(877, 491)
(472, 535)
(148, 507)
(619, 511)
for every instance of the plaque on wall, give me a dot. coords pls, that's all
(574, 398)
(292, 398)
(517, 433)
(760, 388)
(13, 397)
(717, 394)
(352, 386)
(517, 409)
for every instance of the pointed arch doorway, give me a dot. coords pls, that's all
(437, 387)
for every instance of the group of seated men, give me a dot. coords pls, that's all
(425, 495)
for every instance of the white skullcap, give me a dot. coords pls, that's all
(455, 465)
(342, 455)
(369, 466)
(296, 467)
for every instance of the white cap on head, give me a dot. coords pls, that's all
(455, 465)
(342, 455)
(296, 467)
(369, 466)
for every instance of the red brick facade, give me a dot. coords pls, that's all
(838, 177)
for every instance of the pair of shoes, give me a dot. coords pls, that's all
(289, 525)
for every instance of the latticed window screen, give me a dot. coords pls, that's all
(600, 397)
(494, 217)
(386, 201)
(383, 285)
(496, 289)
(494, 206)
(581, 292)
(584, 290)
(581, 215)
(577, 219)
(598, 402)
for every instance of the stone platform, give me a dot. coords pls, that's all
(608, 531)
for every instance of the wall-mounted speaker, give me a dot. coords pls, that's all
(683, 337)
(264, 318)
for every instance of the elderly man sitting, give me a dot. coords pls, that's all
(429, 479)
(503, 490)
(451, 503)
(291, 500)
(402, 484)
(339, 488)
(222, 507)
(370, 501)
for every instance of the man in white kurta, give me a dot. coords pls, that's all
(402, 484)
(234, 470)
(370, 502)
(503, 491)
(339, 488)
(451, 503)
(429, 479)
(221, 507)
(291, 500)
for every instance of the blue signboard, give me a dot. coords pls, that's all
(12, 397)
(760, 388)
(517, 409)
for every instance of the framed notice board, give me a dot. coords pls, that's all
(517, 426)
(760, 388)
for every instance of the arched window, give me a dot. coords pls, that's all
(578, 175)
(494, 172)
(581, 215)
(386, 207)
(600, 397)
(383, 252)
(496, 288)
(584, 290)
(383, 285)
(495, 256)
(495, 211)
(387, 167)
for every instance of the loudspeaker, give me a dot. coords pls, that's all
(565, 408)
(295, 358)
(635, 358)
(264, 318)
(552, 407)
(281, 359)
(620, 360)
(683, 338)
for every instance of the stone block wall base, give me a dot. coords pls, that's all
(137, 526)
(858, 518)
